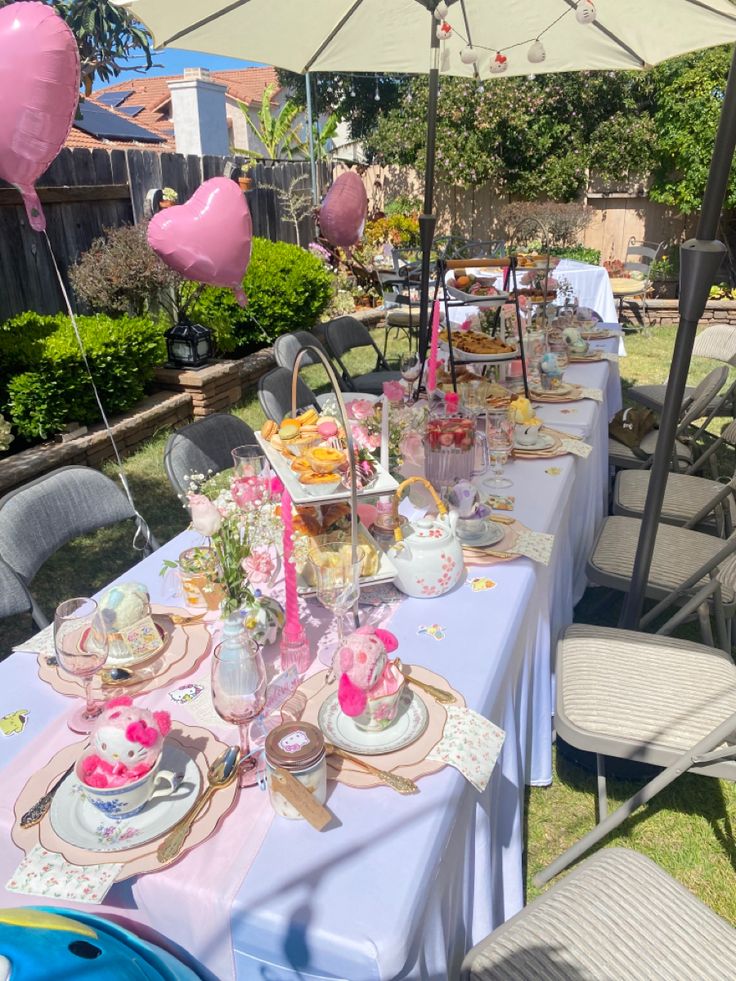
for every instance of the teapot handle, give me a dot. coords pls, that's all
(399, 493)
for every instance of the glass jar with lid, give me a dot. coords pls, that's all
(298, 747)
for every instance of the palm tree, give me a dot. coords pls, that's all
(276, 131)
(322, 136)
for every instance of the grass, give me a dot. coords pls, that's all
(686, 829)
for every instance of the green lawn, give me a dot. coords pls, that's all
(687, 830)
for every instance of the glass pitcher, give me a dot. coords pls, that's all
(450, 445)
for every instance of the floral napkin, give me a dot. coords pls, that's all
(577, 447)
(609, 356)
(536, 545)
(592, 393)
(40, 643)
(44, 873)
(471, 744)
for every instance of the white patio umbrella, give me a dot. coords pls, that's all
(487, 39)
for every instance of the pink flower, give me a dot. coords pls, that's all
(467, 324)
(246, 490)
(206, 519)
(360, 409)
(373, 441)
(360, 436)
(412, 449)
(259, 566)
(393, 391)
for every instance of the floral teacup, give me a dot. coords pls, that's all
(381, 709)
(526, 435)
(124, 802)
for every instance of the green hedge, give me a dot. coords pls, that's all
(287, 288)
(579, 252)
(43, 384)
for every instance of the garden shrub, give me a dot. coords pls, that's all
(43, 384)
(581, 253)
(287, 288)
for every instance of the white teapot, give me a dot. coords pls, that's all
(427, 554)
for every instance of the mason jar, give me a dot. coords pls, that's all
(298, 747)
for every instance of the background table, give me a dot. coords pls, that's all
(403, 886)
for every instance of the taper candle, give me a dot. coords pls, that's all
(432, 365)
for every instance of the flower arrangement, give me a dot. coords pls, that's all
(406, 424)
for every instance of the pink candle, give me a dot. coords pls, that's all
(432, 363)
(291, 623)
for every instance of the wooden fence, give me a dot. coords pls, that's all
(85, 191)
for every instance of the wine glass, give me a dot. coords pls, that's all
(337, 579)
(80, 640)
(411, 368)
(500, 435)
(238, 695)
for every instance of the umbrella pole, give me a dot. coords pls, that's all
(427, 220)
(310, 132)
(699, 261)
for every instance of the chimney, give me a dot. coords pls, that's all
(198, 114)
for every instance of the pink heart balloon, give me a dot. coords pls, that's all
(343, 212)
(39, 82)
(209, 238)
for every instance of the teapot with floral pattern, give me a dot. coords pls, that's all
(427, 554)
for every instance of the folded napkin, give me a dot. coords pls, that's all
(44, 873)
(609, 356)
(40, 643)
(592, 393)
(576, 446)
(470, 743)
(536, 545)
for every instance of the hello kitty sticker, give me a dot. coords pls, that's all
(185, 694)
(294, 741)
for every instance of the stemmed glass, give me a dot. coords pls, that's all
(411, 368)
(337, 579)
(239, 694)
(80, 640)
(500, 435)
(250, 463)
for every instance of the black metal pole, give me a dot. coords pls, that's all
(427, 220)
(699, 261)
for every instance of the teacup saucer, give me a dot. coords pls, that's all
(410, 722)
(492, 533)
(542, 442)
(561, 389)
(80, 823)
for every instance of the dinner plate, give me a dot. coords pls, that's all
(80, 823)
(468, 358)
(164, 629)
(562, 389)
(598, 335)
(542, 442)
(410, 722)
(491, 534)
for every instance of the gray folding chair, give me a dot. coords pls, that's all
(717, 343)
(651, 699)
(14, 596)
(287, 347)
(345, 334)
(617, 916)
(36, 520)
(274, 394)
(685, 450)
(640, 256)
(203, 447)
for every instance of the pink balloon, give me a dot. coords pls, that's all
(209, 238)
(344, 210)
(39, 91)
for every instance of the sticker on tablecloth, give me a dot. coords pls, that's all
(500, 502)
(14, 722)
(433, 630)
(592, 393)
(480, 584)
(40, 643)
(186, 693)
(471, 744)
(568, 412)
(577, 447)
(45, 873)
(536, 545)
(554, 471)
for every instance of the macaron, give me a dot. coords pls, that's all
(269, 429)
(327, 428)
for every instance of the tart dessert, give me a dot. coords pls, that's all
(324, 459)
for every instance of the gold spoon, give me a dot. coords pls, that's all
(402, 785)
(220, 774)
(177, 618)
(438, 694)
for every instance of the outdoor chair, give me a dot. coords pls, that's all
(203, 447)
(683, 562)
(717, 343)
(640, 256)
(36, 520)
(619, 915)
(287, 347)
(14, 596)
(656, 700)
(274, 394)
(684, 452)
(345, 334)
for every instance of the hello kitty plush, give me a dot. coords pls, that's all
(370, 684)
(126, 743)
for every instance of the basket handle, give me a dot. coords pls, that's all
(399, 493)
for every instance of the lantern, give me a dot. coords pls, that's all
(188, 345)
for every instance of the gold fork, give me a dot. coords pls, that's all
(402, 785)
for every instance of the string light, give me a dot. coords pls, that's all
(585, 13)
(377, 96)
(441, 10)
(499, 64)
(536, 53)
(468, 55)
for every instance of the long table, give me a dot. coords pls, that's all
(404, 886)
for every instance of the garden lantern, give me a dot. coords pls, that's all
(188, 345)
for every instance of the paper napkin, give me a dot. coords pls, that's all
(536, 545)
(577, 447)
(592, 393)
(40, 643)
(471, 744)
(609, 356)
(44, 873)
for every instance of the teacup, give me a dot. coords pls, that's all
(526, 435)
(472, 527)
(381, 710)
(126, 801)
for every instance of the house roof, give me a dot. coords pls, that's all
(153, 95)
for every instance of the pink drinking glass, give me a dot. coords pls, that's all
(80, 640)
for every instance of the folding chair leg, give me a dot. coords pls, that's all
(647, 792)
(706, 631)
(600, 769)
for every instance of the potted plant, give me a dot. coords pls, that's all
(169, 198)
(664, 276)
(245, 181)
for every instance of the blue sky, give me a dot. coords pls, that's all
(173, 62)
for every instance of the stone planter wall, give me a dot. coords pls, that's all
(667, 312)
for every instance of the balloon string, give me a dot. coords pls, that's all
(142, 537)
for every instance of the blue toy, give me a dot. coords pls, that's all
(39, 942)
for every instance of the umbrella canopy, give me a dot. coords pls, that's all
(393, 35)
